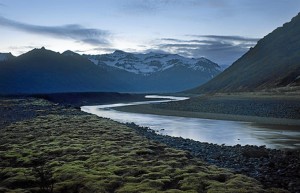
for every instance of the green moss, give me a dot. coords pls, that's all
(135, 188)
(86, 153)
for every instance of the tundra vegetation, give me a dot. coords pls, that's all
(49, 148)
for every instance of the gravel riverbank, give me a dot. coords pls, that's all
(282, 107)
(269, 166)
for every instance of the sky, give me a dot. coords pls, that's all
(220, 30)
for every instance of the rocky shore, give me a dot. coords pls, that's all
(249, 104)
(269, 166)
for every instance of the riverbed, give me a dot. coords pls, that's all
(204, 130)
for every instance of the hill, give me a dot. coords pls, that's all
(274, 62)
(45, 71)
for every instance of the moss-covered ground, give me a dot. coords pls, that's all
(64, 150)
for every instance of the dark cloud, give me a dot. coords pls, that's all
(74, 31)
(172, 39)
(227, 38)
(156, 51)
(220, 49)
(105, 49)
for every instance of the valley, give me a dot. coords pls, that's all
(259, 107)
(63, 143)
(178, 124)
(150, 118)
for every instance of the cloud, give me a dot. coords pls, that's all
(105, 49)
(76, 32)
(220, 49)
(227, 38)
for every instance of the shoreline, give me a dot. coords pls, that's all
(261, 163)
(268, 166)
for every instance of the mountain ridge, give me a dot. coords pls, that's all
(46, 71)
(149, 63)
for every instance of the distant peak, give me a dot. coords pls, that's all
(69, 53)
(119, 52)
(40, 49)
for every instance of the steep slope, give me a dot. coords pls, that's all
(273, 62)
(45, 71)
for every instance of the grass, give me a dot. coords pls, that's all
(77, 152)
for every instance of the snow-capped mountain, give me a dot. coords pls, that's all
(46, 71)
(5, 56)
(150, 63)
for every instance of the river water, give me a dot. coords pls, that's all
(203, 130)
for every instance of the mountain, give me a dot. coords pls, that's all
(45, 71)
(273, 62)
(147, 64)
(155, 72)
(6, 57)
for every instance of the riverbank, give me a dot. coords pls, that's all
(246, 107)
(272, 167)
(50, 148)
(90, 98)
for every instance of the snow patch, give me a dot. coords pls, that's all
(152, 62)
(94, 61)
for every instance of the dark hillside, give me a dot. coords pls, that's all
(273, 62)
(45, 71)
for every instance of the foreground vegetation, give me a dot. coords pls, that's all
(54, 149)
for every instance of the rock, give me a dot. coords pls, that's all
(273, 168)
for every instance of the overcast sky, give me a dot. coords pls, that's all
(220, 30)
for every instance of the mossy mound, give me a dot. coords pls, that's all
(66, 150)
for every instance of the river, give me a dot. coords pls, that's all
(203, 130)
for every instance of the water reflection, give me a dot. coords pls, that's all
(204, 130)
